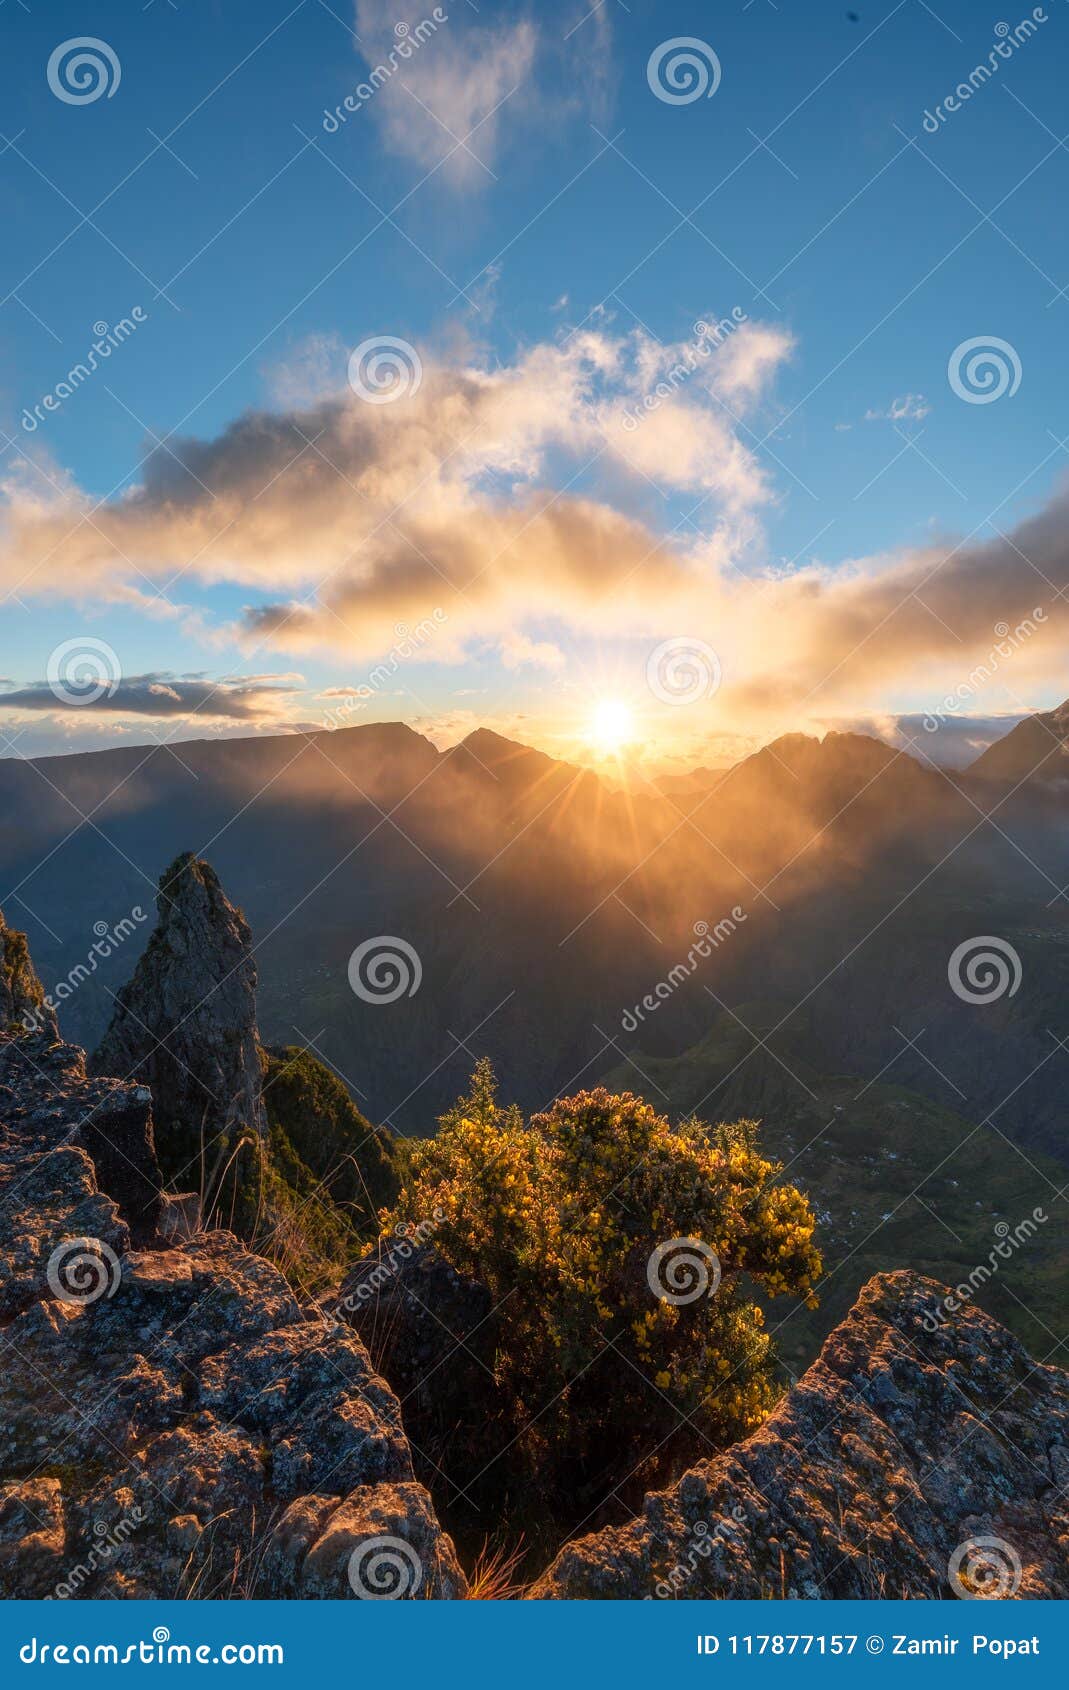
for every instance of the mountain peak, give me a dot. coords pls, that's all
(1036, 749)
(185, 1023)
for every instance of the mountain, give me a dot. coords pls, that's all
(1037, 749)
(922, 1456)
(529, 909)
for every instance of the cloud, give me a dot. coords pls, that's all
(517, 651)
(954, 743)
(526, 502)
(445, 104)
(957, 621)
(254, 698)
(347, 518)
(909, 407)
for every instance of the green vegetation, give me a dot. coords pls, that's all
(20, 990)
(308, 1195)
(561, 1217)
(315, 1122)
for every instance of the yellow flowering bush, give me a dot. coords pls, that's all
(565, 1217)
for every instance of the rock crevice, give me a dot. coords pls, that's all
(919, 1456)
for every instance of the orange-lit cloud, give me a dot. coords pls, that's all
(522, 504)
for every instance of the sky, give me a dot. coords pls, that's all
(642, 381)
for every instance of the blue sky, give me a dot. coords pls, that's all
(858, 248)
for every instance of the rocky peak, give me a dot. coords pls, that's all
(185, 1024)
(924, 1454)
(22, 998)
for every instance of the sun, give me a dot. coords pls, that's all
(612, 726)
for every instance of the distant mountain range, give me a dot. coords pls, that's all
(545, 909)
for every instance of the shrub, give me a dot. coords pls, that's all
(561, 1215)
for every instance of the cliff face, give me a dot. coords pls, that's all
(22, 999)
(172, 1420)
(185, 1024)
(914, 1458)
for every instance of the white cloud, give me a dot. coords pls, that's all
(908, 407)
(460, 79)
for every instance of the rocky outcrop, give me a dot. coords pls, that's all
(22, 998)
(173, 1420)
(434, 1335)
(920, 1456)
(185, 1024)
